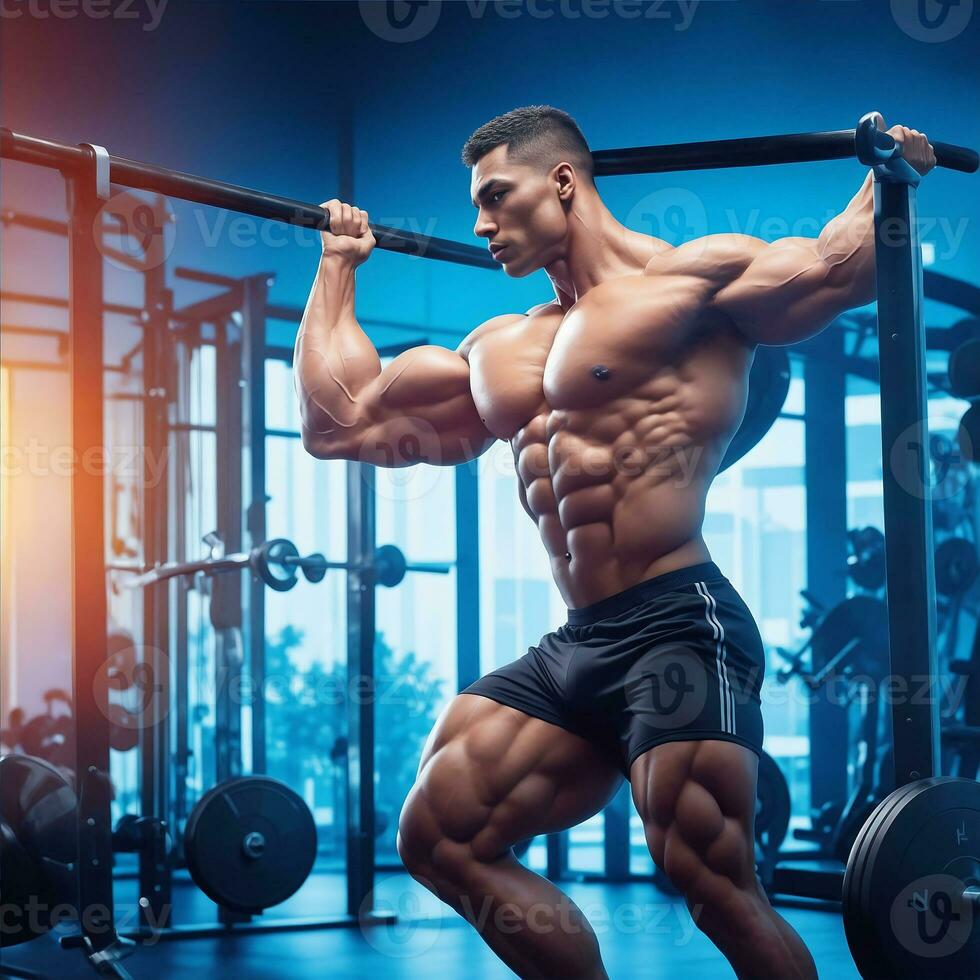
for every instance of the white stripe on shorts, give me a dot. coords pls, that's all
(725, 696)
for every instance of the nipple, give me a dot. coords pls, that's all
(601, 372)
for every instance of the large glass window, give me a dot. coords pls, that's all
(305, 692)
(415, 640)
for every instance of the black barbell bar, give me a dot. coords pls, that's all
(220, 194)
(755, 151)
(388, 566)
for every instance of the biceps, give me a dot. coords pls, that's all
(420, 410)
(786, 294)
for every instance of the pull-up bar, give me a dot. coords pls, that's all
(703, 155)
(218, 193)
(757, 151)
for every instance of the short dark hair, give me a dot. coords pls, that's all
(535, 134)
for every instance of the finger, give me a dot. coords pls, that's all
(326, 205)
(333, 209)
(346, 218)
(365, 223)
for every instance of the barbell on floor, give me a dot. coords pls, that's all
(278, 561)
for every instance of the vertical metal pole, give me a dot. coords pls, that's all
(360, 625)
(467, 574)
(226, 590)
(360, 681)
(556, 855)
(906, 480)
(88, 596)
(179, 442)
(254, 299)
(155, 768)
(826, 542)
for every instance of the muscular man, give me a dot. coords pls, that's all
(619, 398)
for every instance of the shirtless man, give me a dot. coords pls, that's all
(619, 398)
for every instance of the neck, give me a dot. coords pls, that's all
(597, 248)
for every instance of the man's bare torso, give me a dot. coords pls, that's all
(618, 413)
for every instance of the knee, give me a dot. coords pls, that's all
(417, 834)
(436, 841)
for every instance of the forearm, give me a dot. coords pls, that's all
(333, 359)
(847, 247)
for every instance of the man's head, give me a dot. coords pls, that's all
(527, 165)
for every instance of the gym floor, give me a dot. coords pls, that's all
(655, 936)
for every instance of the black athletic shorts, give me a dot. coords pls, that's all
(676, 657)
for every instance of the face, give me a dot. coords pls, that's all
(521, 208)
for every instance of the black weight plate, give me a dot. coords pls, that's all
(773, 805)
(314, 567)
(389, 565)
(271, 564)
(866, 564)
(904, 914)
(956, 566)
(862, 618)
(24, 887)
(215, 843)
(769, 380)
(859, 925)
(38, 811)
(859, 934)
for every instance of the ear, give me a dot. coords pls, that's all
(565, 180)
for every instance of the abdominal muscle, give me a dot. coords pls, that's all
(618, 491)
